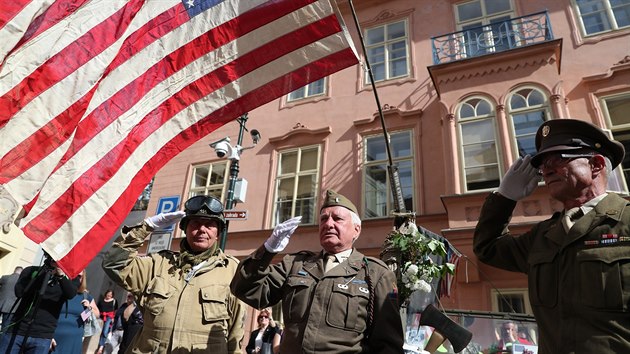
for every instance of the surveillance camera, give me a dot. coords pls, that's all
(222, 148)
(255, 136)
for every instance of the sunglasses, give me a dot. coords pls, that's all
(196, 203)
(561, 159)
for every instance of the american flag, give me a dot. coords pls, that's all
(97, 95)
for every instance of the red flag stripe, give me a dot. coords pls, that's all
(10, 9)
(88, 246)
(67, 60)
(63, 207)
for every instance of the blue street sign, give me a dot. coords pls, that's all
(167, 205)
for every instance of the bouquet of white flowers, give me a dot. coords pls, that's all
(418, 268)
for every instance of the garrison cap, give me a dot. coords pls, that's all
(573, 135)
(335, 199)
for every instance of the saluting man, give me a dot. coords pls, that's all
(333, 301)
(185, 298)
(578, 261)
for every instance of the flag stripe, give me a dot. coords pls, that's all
(10, 9)
(64, 206)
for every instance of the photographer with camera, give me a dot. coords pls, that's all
(43, 290)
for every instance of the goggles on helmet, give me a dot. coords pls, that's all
(194, 204)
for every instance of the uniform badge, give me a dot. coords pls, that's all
(606, 239)
(545, 130)
(591, 242)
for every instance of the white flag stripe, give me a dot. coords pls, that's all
(84, 219)
(27, 58)
(113, 134)
(12, 32)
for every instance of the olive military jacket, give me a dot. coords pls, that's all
(324, 314)
(579, 283)
(180, 316)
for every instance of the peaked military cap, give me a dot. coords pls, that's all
(333, 198)
(573, 135)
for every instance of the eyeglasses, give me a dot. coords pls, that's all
(195, 204)
(555, 160)
(261, 317)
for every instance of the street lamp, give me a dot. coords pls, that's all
(224, 149)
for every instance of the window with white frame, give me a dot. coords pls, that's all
(297, 184)
(209, 179)
(616, 108)
(528, 109)
(599, 16)
(387, 49)
(378, 200)
(315, 88)
(486, 25)
(479, 153)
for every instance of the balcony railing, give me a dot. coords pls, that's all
(492, 38)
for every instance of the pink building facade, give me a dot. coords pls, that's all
(463, 86)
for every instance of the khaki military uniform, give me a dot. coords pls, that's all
(579, 283)
(195, 316)
(324, 313)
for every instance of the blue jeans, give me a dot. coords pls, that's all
(6, 321)
(12, 343)
(107, 327)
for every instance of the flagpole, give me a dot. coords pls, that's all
(394, 178)
(401, 214)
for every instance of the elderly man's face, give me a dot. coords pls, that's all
(201, 233)
(337, 232)
(566, 178)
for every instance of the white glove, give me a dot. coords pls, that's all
(279, 238)
(520, 180)
(163, 220)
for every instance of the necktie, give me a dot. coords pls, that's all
(330, 262)
(569, 218)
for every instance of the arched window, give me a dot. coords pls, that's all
(528, 109)
(478, 144)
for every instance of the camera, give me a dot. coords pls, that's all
(222, 147)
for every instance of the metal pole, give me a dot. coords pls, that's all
(394, 178)
(234, 167)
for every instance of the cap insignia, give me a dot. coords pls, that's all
(545, 130)
(336, 200)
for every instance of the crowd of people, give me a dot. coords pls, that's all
(336, 299)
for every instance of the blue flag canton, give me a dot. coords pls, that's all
(195, 7)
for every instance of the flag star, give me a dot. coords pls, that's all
(191, 3)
